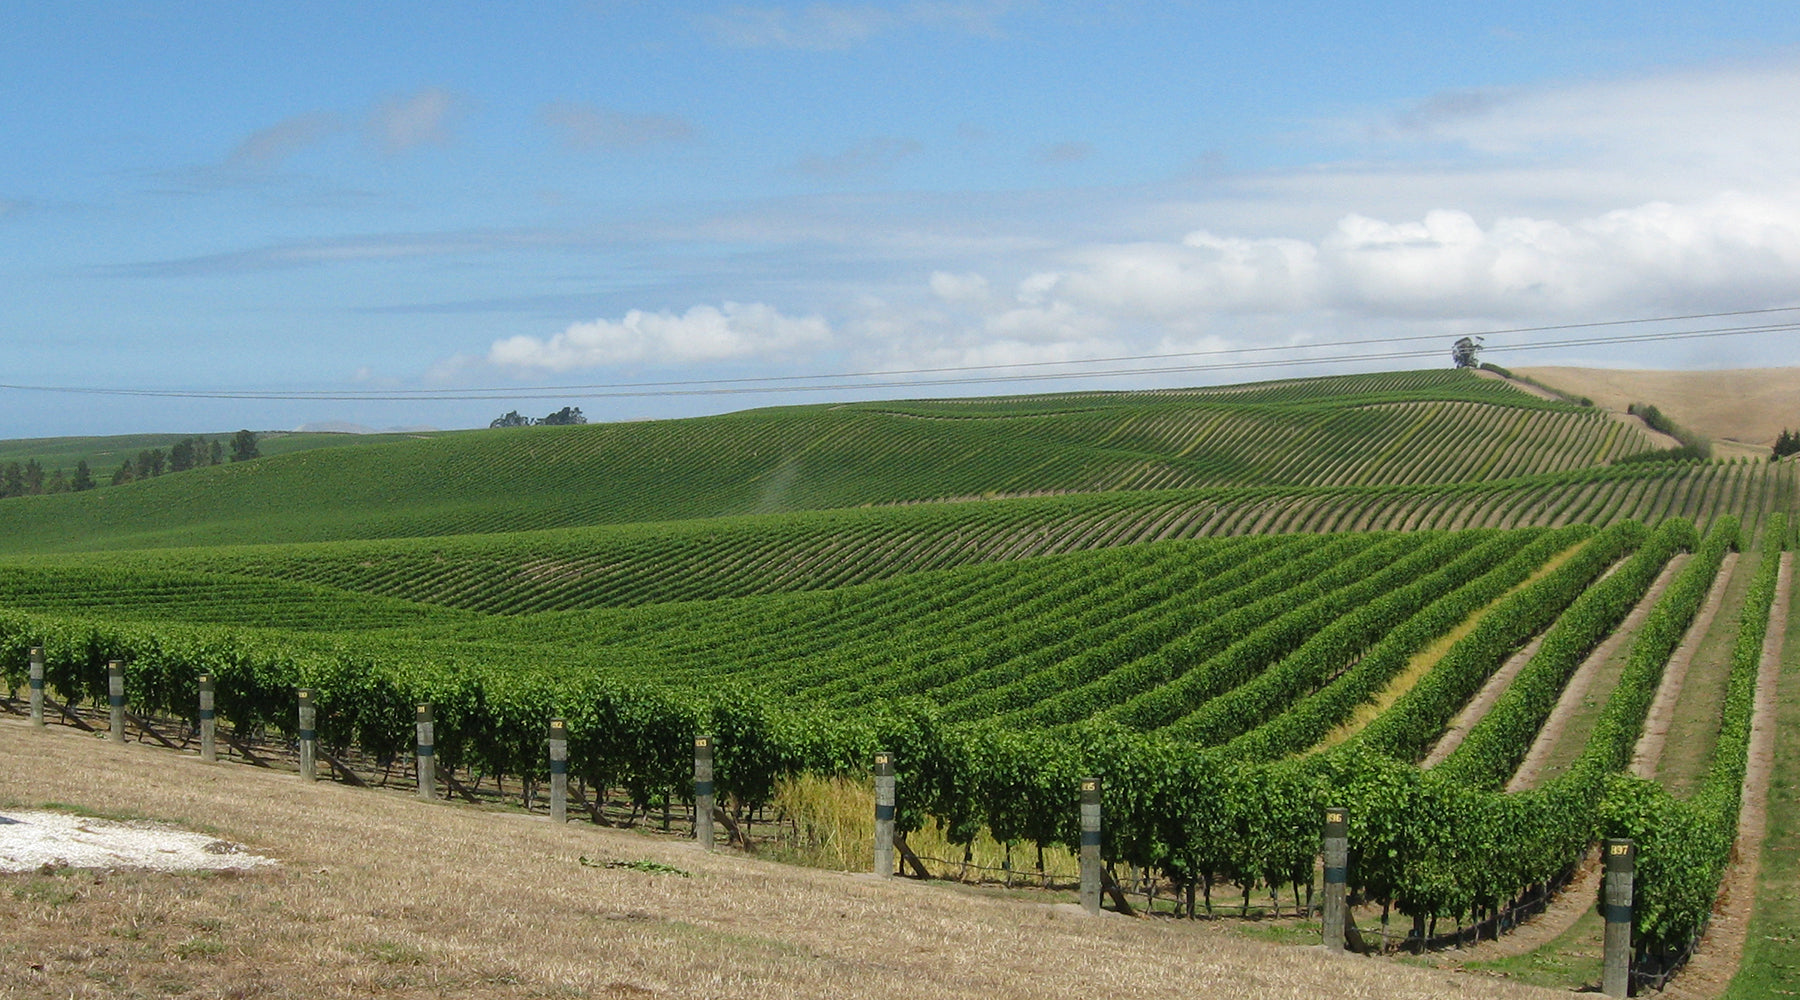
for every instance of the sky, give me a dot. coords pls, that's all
(404, 214)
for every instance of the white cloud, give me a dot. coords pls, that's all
(1050, 323)
(1003, 352)
(1728, 248)
(702, 334)
(427, 118)
(976, 325)
(1036, 289)
(1713, 118)
(969, 288)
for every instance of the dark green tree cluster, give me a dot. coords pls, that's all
(29, 479)
(196, 452)
(243, 446)
(568, 416)
(188, 453)
(1787, 443)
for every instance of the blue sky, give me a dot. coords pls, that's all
(362, 200)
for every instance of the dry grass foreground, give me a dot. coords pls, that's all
(1745, 405)
(381, 895)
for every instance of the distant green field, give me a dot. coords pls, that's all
(104, 454)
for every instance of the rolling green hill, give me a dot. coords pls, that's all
(1412, 429)
(639, 564)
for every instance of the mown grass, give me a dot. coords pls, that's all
(1573, 961)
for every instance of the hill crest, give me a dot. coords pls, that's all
(1747, 406)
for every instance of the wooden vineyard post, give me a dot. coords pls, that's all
(309, 737)
(884, 814)
(703, 791)
(115, 698)
(1337, 861)
(427, 755)
(1090, 844)
(1621, 872)
(209, 748)
(36, 682)
(559, 771)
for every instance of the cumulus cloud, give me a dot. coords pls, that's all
(581, 126)
(1365, 275)
(427, 118)
(831, 26)
(969, 287)
(270, 147)
(1050, 323)
(701, 334)
(1723, 250)
(869, 156)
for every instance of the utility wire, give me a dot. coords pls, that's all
(964, 375)
(891, 373)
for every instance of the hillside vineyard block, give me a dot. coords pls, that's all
(1222, 604)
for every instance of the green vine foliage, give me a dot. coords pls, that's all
(1244, 810)
(1684, 845)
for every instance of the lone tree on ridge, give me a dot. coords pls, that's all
(243, 446)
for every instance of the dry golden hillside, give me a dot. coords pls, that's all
(1746, 405)
(383, 896)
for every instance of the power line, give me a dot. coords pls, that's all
(964, 375)
(890, 373)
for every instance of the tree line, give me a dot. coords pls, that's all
(29, 478)
(568, 416)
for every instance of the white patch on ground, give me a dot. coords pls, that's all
(30, 841)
